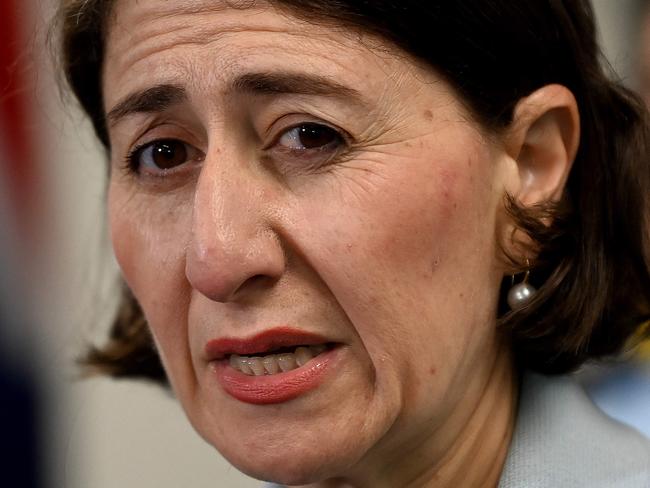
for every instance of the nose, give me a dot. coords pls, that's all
(233, 248)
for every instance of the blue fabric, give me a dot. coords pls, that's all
(562, 439)
(623, 393)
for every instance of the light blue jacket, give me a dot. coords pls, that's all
(562, 440)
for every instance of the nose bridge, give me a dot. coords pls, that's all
(218, 207)
(231, 239)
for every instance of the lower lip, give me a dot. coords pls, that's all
(276, 388)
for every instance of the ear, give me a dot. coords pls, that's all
(542, 141)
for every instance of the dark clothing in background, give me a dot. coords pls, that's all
(20, 457)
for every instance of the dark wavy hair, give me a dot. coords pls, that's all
(592, 248)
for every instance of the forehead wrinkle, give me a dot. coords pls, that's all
(145, 22)
(198, 6)
(145, 38)
(158, 9)
(166, 39)
(187, 69)
(227, 59)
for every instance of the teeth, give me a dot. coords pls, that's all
(235, 361)
(303, 354)
(244, 367)
(271, 364)
(316, 350)
(287, 362)
(275, 363)
(256, 365)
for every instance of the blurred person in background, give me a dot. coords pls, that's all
(21, 441)
(21, 385)
(410, 187)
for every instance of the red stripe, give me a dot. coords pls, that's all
(17, 85)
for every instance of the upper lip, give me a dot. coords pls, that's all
(261, 343)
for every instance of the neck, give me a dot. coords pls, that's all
(478, 450)
(470, 449)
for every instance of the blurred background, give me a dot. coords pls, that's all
(59, 285)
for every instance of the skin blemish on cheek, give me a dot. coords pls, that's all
(428, 115)
(448, 181)
(432, 370)
(434, 267)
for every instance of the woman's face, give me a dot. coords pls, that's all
(277, 183)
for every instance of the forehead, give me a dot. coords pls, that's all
(201, 42)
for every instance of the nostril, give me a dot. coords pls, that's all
(255, 284)
(258, 280)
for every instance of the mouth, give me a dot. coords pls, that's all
(272, 367)
(279, 361)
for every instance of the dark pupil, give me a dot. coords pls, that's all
(168, 154)
(313, 136)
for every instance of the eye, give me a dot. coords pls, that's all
(162, 155)
(310, 136)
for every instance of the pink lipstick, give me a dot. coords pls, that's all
(268, 384)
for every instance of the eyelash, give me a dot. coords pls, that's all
(340, 140)
(133, 163)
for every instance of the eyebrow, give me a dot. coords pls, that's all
(161, 97)
(293, 83)
(151, 100)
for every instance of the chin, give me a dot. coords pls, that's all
(287, 473)
(288, 469)
(289, 463)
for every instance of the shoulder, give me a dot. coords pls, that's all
(563, 439)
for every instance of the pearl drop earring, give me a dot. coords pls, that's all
(521, 293)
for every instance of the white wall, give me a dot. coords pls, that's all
(618, 23)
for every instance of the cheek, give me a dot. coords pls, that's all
(401, 259)
(422, 217)
(147, 243)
